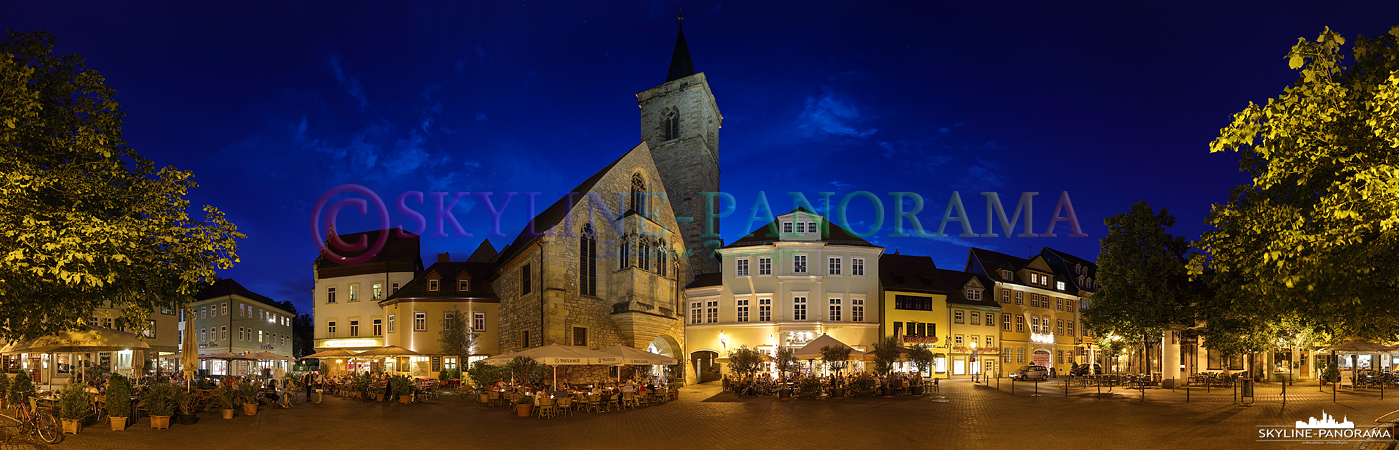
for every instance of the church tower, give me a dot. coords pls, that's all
(680, 122)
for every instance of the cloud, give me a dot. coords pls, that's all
(350, 84)
(832, 114)
(841, 186)
(481, 117)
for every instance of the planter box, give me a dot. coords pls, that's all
(522, 410)
(160, 422)
(118, 423)
(250, 409)
(188, 419)
(72, 426)
(405, 399)
(228, 414)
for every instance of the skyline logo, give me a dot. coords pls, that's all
(1327, 421)
(1325, 430)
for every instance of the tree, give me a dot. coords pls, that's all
(456, 338)
(786, 362)
(886, 351)
(303, 335)
(1143, 284)
(745, 361)
(86, 220)
(922, 358)
(835, 356)
(1314, 234)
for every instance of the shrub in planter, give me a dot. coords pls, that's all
(523, 404)
(160, 401)
(808, 387)
(247, 393)
(403, 386)
(863, 385)
(224, 398)
(184, 402)
(21, 389)
(73, 407)
(4, 388)
(118, 401)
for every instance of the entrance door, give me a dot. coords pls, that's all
(1041, 358)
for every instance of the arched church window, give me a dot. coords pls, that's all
(638, 194)
(624, 253)
(662, 253)
(643, 254)
(587, 261)
(671, 125)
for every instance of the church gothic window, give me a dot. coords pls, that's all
(587, 261)
(661, 255)
(671, 125)
(643, 255)
(624, 254)
(638, 194)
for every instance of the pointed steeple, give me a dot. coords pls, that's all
(680, 64)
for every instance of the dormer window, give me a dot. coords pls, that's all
(432, 285)
(973, 294)
(1005, 274)
(786, 227)
(463, 285)
(811, 226)
(1034, 278)
(801, 227)
(1060, 285)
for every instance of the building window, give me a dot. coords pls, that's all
(957, 316)
(463, 285)
(448, 321)
(1059, 284)
(1020, 355)
(1034, 324)
(799, 264)
(662, 257)
(391, 327)
(330, 328)
(223, 333)
(711, 311)
(377, 290)
(1019, 298)
(857, 310)
(990, 341)
(638, 194)
(478, 321)
(224, 309)
(957, 340)
(798, 308)
(378, 327)
(243, 337)
(624, 254)
(524, 338)
(1005, 274)
(203, 313)
(432, 285)
(976, 318)
(1059, 328)
(913, 302)
(811, 227)
(801, 227)
(973, 294)
(764, 310)
(990, 319)
(1034, 278)
(1069, 305)
(1070, 329)
(202, 336)
(764, 266)
(580, 336)
(354, 293)
(525, 280)
(834, 264)
(419, 321)
(697, 312)
(835, 310)
(643, 254)
(670, 126)
(1005, 295)
(741, 268)
(742, 309)
(1019, 324)
(857, 267)
(354, 328)
(787, 227)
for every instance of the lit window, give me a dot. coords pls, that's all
(857, 267)
(1060, 284)
(419, 321)
(377, 290)
(834, 265)
(742, 310)
(764, 266)
(741, 268)
(354, 293)
(799, 308)
(432, 285)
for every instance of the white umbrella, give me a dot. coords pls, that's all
(812, 350)
(560, 355)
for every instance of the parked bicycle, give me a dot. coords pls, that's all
(35, 424)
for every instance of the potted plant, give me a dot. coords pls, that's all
(922, 359)
(745, 361)
(523, 404)
(73, 407)
(786, 362)
(21, 389)
(809, 387)
(835, 357)
(403, 386)
(160, 401)
(863, 385)
(118, 401)
(247, 393)
(184, 402)
(225, 397)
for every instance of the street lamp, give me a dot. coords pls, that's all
(975, 365)
(724, 341)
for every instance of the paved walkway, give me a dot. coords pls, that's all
(972, 415)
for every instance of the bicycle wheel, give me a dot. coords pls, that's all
(47, 428)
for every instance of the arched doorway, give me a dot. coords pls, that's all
(1041, 358)
(665, 345)
(705, 367)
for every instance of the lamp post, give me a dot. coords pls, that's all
(975, 368)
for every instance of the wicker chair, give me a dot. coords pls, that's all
(564, 406)
(546, 408)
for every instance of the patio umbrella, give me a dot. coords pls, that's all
(812, 350)
(1359, 346)
(333, 353)
(556, 355)
(91, 339)
(189, 357)
(269, 356)
(636, 357)
(388, 351)
(228, 356)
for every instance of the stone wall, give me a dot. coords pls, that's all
(688, 165)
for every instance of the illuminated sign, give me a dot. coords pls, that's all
(1042, 338)
(351, 343)
(919, 339)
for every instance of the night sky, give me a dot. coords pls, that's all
(272, 105)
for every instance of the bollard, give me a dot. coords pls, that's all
(1187, 392)
(1284, 395)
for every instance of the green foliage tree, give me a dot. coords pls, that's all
(922, 358)
(86, 220)
(745, 361)
(786, 361)
(834, 356)
(73, 403)
(4, 386)
(485, 375)
(1143, 283)
(1315, 234)
(21, 389)
(456, 338)
(886, 351)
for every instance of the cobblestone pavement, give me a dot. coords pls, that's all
(972, 415)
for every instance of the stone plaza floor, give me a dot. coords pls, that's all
(967, 416)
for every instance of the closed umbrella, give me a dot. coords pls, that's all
(189, 356)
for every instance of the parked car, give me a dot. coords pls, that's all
(1027, 373)
(1084, 370)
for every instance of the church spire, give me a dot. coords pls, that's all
(680, 64)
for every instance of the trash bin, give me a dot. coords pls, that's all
(1246, 391)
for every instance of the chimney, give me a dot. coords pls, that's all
(444, 257)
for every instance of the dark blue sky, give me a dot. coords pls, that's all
(271, 105)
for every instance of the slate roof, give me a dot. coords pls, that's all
(919, 274)
(399, 249)
(1080, 273)
(484, 252)
(832, 234)
(228, 286)
(706, 280)
(554, 214)
(480, 286)
(680, 64)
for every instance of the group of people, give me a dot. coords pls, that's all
(564, 388)
(766, 384)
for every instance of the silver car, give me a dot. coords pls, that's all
(1028, 373)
